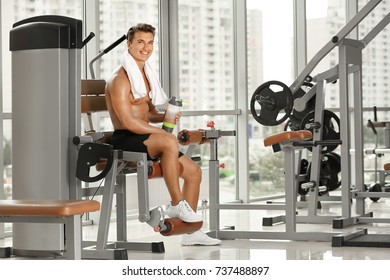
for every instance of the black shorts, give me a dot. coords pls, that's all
(129, 141)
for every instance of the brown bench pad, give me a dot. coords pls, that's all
(61, 208)
(287, 136)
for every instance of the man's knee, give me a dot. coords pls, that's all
(170, 143)
(162, 142)
(193, 171)
(197, 171)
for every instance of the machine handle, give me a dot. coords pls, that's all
(116, 43)
(86, 40)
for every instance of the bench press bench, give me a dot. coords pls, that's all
(67, 212)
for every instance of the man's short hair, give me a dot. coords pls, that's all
(140, 27)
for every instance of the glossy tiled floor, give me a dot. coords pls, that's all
(273, 250)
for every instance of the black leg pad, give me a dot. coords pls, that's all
(120, 254)
(158, 247)
(5, 252)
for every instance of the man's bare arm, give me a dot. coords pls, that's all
(155, 116)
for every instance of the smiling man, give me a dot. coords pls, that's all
(132, 93)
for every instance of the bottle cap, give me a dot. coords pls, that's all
(176, 102)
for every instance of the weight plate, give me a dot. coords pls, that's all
(330, 128)
(271, 103)
(330, 172)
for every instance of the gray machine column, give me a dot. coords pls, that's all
(46, 115)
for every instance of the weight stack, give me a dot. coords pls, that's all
(46, 53)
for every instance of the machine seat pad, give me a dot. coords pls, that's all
(287, 136)
(386, 166)
(59, 208)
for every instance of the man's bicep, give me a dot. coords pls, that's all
(120, 103)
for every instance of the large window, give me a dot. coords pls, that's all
(206, 76)
(376, 60)
(375, 79)
(325, 18)
(270, 57)
(206, 54)
(116, 17)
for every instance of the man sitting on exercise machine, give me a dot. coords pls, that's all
(131, 94)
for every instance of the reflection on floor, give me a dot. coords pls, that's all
(272, 250)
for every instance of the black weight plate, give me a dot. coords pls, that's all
(330, 128)
(330, 169)
(271, 103)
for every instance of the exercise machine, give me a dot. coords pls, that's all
(46, 55)
(348, 73)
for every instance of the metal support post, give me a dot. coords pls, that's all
(106, 206)
(317, 151)
(214, 186)
(290, 191)
(344, 133)
(121, 228)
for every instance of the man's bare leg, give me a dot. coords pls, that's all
(192, 175)
(165, 147)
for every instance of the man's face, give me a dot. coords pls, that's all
(142, 46)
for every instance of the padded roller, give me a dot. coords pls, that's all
(187, 137)
(176, 226)
(155, 170)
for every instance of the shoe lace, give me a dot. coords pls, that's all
(186, 207)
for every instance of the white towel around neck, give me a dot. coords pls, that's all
(138, 87)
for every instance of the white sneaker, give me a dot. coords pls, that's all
(183, 211)
(198, 238)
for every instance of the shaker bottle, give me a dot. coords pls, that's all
(174, 106)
